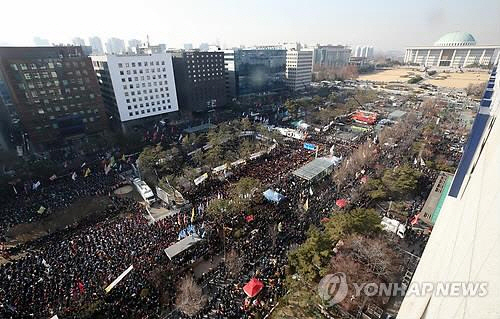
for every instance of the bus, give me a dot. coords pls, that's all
(143, 189)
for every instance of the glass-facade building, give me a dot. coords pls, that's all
(256, 71)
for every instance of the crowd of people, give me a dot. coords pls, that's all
(66, 273)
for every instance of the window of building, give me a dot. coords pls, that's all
(130, 113)
(120, 65)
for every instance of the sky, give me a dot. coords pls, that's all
(385, 24)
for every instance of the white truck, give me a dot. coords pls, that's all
(145, 191)
(393, 226)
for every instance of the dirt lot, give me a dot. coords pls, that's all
(57, 220)
(450, 80)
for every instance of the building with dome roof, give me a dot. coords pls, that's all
(453, 50)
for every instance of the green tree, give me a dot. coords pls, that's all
(357, 221)
(246, 148)
(151, 157)
(246, 125)
(401, 181)
(214, 155)
(292, 108)
(246, 186)
(310, 259)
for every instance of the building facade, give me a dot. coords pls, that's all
(255, 71)
(462, 250)
(199, 80)
(96, 44)
(299, 65)
(52, 94)
(115, 45)
(136, 88)
(331, 56)
(453, 50)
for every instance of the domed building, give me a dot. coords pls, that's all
(453, 50)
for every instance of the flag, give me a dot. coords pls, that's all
(331, 149)
(414, 220)
(73, 176)
(112, 161)
(107, 168)
(81, 286)
(15, 190)
(123, 157)
(192, 215)
(422, 163)
(36, 185)
(180, 137)
(178, 218)
(53, 177)
(310, 191)
(415, 161)
(306, 205)
(87, 172)
(83, 164)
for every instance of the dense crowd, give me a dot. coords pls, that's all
(65, 273)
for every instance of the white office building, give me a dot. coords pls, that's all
(460, 264)
(453, 50)
(96, 44)
(364, 51)
(299, 65)
(138, 86)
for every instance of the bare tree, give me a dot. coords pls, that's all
(273, 234)
(233, 262)
(190, 298)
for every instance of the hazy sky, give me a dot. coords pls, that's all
(385, 24)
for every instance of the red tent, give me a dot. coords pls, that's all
(249, 218)
(341, 203)
(253, 287)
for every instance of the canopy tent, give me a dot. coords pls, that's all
(317, 168)
(253, 287)
(182, 245)
(341, 203)
(273, 196)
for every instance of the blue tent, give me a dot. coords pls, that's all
(273, 196)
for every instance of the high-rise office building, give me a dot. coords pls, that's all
(78, 41)
(133, 44)
(364, 51)
(462, 252)
(115, 46)
(53, 92)
(259, 70)
(299, 63)
(204, 46)
(137, 88)
(39, 42)
(331, 56)
(199, 80)
(96, 44)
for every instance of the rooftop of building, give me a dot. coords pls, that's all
(457, 38)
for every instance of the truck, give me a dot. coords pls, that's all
(144, 190)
